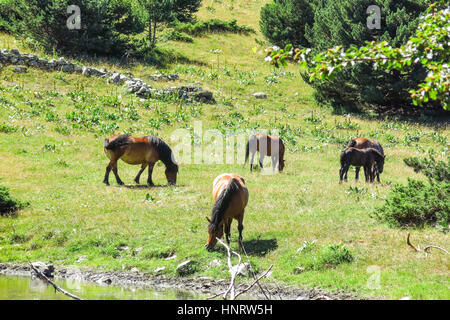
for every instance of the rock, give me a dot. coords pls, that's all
(115, 78)
(123, 247)
(15, 52)
(68, 68)
(205, 97)
(187, 267)
(82, 258)
(215, 263)
(163, 77)
(20, 69)
(299, 270)
(137, 251)
(243, 269)
(260, 95)
(104, 280)
(159, 269)
(46, 269)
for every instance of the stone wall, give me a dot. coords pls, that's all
(135, 85)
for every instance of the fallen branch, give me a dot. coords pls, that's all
(41, 276)
(410, 244)
(255, 282)
(426, 250)
(234, 270)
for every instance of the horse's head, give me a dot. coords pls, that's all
(214, 233)
(171, 175)
(380, 164)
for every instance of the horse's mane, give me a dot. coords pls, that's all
(222, 203)
(120, 141)
(165, 153)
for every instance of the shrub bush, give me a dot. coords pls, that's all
(418, 203)
(8, 205)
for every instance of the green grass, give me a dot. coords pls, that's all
(51, 151)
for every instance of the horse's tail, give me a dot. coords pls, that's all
(247, 151)
(223, 202)
(120, 141)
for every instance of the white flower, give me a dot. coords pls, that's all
(268, 59)
(275, 48)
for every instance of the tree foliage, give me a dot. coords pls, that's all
(419, 67)
(284, 21)
(45, 21)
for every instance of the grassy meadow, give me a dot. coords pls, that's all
(52, 127)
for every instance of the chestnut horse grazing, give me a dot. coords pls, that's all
(264, 144)
(363, 143)
(368, 158)
(230, 198)
(145, 151)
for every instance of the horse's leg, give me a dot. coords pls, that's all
(240, 219)
(261, 159)
(275, 161)
(367, 173)
(143, 166)
(108, 170)
(357, 173)
(150, 171)
(116, 174)
(251, 161)
(227, 227)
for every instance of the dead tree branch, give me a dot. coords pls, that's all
(41, 276)
(234, 270)
(426, 250)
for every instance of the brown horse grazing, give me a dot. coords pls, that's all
(363, 143)
(145, 151)
(230, 198)
(263, 143)
(367, 158)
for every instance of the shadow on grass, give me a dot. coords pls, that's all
(258, 247)
(160, 58)
(146, 186)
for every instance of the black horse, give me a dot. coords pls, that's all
(371, 159)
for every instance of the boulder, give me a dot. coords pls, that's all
(260, 95)
(20, 69)
(46, 269)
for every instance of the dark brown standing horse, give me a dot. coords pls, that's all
(263, 144)
(367, 158)
(230, 198)
(145, 151)
(363, 143)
